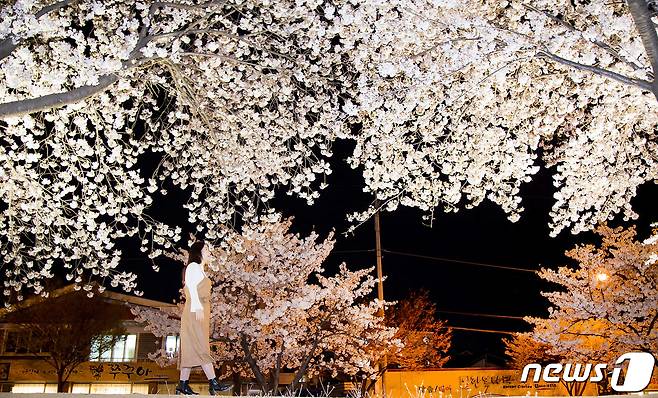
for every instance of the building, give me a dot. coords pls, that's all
(126, 368)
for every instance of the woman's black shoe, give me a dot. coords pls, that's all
(215, 387)
(183, 387)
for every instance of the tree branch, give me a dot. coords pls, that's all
(304, 364)
(652, 324)
(188, 7)
(647, 31)
(643, 84)
(598, 43)
(27, 106)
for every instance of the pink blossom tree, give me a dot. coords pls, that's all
(274, 309)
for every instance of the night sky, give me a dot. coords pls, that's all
(481, 235)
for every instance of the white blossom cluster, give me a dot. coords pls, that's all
(448, 103)
(608, 304)
(271, 301)
(238, 97)
(462, 101)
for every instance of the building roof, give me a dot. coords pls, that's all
(106, 294)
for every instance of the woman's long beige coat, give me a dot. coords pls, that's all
(195, 335)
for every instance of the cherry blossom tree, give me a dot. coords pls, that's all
(448, 103)
(523, 349)
(465, 100)
(274, 309)
(425, 339)
(236, 98)
(607, 305)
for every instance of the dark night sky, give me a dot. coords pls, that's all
(482, 235)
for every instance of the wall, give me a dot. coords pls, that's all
(466, 383)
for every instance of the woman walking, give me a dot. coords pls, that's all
(195, 323)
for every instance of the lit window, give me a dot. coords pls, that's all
(110, 389)
(51, 388)
(28, 388)
(172, 343)
(119, 348)
(80, 388)
(122, 351)
(141, 388)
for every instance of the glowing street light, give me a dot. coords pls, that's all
(602, 276)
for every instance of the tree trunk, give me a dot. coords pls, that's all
(237, 385)
(61, 383)
(574, 388)
(277, 371)
(368, 384)
(302, 369)
(260, 377)
(364, 388)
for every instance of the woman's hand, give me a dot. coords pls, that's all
(199, 315)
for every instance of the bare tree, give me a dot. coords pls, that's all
(67, 327)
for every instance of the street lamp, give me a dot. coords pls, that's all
(602, 276)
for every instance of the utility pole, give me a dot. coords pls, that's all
(380, 287)
(378, 253)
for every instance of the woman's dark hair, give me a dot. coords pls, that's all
(193, 256)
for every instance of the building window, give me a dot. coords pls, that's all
(141, 388)
(18, 342)
(110, 388)
(146, 344)
(122, 351)
(34, 388)
(21, 342)
(80, 388)
(12, 341)
(172, 344)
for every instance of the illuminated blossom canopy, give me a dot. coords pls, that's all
(447, 103)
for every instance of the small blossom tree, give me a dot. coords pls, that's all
(523, 349)
(607, 304)
(425, 339)
(273, 309)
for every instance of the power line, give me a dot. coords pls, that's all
(481, 330)
(448, 260)
(353, 251)
(356, 251)
(482, 315)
